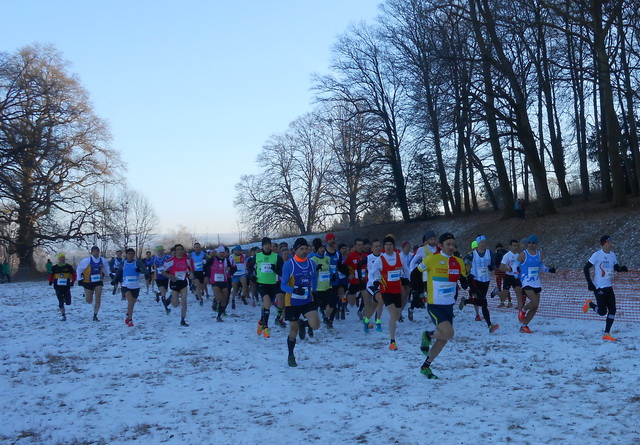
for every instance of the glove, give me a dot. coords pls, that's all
(138, 270)
(319, 267)
(50, 283)
(592, 287)
(333, 277)
(552, 270)
(298, 290)
(624, 269)
(72, 283)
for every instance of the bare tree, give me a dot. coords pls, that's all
(53, 151)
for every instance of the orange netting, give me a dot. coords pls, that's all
(564, 293)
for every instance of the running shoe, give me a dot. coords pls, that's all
(410, 314)
(157, 297)
(378, 327)
(526, 330)
(608, 336)
(184, 323)
(365, 325)
(586, 306)
(201, 302)
(280, 322)
(266, 333)
(463, 302)
(302, 332)
(493, 328)
(292, 361)
(128, 322)
(244, 300)
(510, 304)
(393, 346)
(309, 331)
(219, 319)
(259, 330)
(233, 304)
(521, 315)
(95, 317)
(478, 318)
(64, 317)
(494, 292)
(167, 310)
(425, 342)
(360, 315)
(426, 371)
(401, 319)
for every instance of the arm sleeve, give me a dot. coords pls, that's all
(587, 272)
(417, 258)
(82, 266)
(376, 267)
(287, 270)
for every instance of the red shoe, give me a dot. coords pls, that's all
(526, 330)
(478, 318)
(393, 346)
(608, 336)
(493, 328)
(259, 330)
(586, 306)
(128, 322)
(521, 315)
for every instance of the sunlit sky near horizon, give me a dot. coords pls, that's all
(191, 89)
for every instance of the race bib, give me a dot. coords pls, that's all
(324, 276)
(62, 281)
(180, 275)
(198, 266)
(533, 273)
(394, 275)
(266, 268)
(241, 267)
(301, 297)
(608, 274)
(444, 290)
(130, 280)
(95, 278)
(219, 277)
(483, 271)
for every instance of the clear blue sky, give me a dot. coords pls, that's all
(191, 89)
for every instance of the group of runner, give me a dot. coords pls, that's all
(330, 277)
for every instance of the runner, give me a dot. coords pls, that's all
(325, 295)
(406, 255)
(198, 258)
(372, 299)
(114, 263)
(299, 282)
(384, 274)
(511, 276)
(335, 275)
(239, 279)
(479, 278)
(531, 264)
(176, 269)
(148, 263)
(268, 268)
(251, 272)
(61, 277)
(497, 260)
(418, 279)
(605, 262)
(91, 272)
(356, 263)
(444, 271)
(219, 270)
(284, 254)
(128, 276)
(162, 283)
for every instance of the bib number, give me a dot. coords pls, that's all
(324, 276)
(218, 278)
(95, 278)
(394, 275)
(241, 267)
(198, 266)
(301, 297)
(534, 273)
(266, 268)
(130, 280)
(181, 275)
(62, 281)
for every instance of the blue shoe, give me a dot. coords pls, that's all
(366, 326)
(378, 327)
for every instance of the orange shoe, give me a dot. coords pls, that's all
(493, 328)
(521, 315)
(259, 330)
(608, 336)
(266, 333)
(393, 346)
(586, 306)
(526, 330)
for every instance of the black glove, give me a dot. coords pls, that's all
(299, 290)
(138, 270)
(591, 287)
(333, 277)
(319, 267)
(624, 269)
(552, 270)
(50, 283)
(72, 283)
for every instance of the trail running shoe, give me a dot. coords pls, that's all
(309, 331)
(378, 327)
(184, 323)
(410, 314)
(280, 322)
(128, 322)
(478, 318)
(266, 333)
(493, 328)
(219, 319)
(365, 325)
(233, 304)
(401, 319)
(425, 342)
(510, 304)
(360, 315)
(95, 317)
(157, 297)
(586, 306)
(64, 317)
(608, 336)
(393, 346)
(526, 330)
(463, 303)
(259, 330)
(244, 300)
(426, 371)
(521, 315)
(292, 361)
(494, 292)
(302, 332)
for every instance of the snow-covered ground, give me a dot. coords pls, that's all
(85, 382)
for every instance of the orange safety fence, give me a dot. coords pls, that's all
(565, 292)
